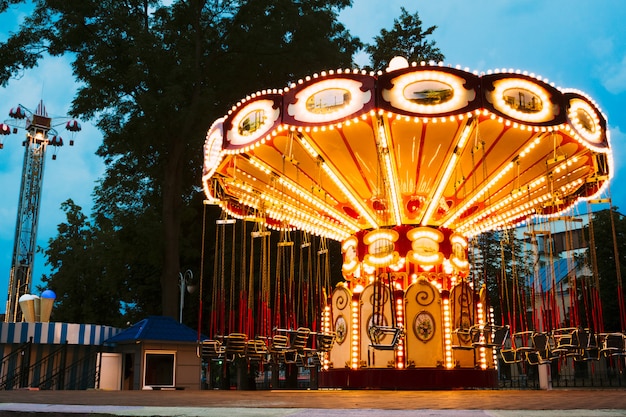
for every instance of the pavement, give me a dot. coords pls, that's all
(318, 403)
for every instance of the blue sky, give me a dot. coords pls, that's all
(578, 44)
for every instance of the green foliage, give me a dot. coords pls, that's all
(272, 42)
(153, 77)
(86, 291)
(406, 39)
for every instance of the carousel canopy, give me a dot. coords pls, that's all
(421, 144)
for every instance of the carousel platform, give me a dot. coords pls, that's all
(408, 379)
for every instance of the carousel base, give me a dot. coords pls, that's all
(408, 379)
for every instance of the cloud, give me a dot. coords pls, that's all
(613, 76)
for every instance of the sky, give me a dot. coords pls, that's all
(577, 44)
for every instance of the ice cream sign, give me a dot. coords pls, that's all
(37, 309)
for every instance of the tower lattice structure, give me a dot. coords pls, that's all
(40, 133)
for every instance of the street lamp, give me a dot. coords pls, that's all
(184, 282)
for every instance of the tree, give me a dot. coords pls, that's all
(273, 42)
(153, 77)
(406, 39)
(77, 273)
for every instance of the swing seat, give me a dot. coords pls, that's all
(508, 353)
(542, 352)
(278, 347)
(323, 343)
(490, 336)
(521, 346)
(587, 346)
(257, 351)
(235, 346)
(465, 338)
(510, 356)
(613, 345)
(290, 350)
(211, 350)
(378, 333)
(295, 353)
(565, 341)
(522, 341)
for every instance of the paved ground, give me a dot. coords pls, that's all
(323, 403)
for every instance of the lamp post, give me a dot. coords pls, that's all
(184, 282)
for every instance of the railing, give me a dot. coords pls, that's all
(52, 372)
(44, 373)
(55, 373)
(606, 373)
(14, 367)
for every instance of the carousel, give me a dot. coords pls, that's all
(404, 168)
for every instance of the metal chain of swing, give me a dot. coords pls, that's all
(465, 301)
(571, 273)
(266, 285)
(244, 319)
(504, 289)
(232, 290)
(618, 273)
(201, 278)
(379, 296)
(250, 304)
(259, 319)
(283, 295)
(217, 302)
(283, 305)
(594, 266)
(322, 282)
(304, 283)
(519, 296)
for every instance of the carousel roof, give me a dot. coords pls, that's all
(425, 145)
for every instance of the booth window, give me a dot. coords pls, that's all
(160, 369)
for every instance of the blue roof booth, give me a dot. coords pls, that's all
(158, 353)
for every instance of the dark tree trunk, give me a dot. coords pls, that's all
(172, 203)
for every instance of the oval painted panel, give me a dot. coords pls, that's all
(251, 122)
(522, 100)
(381, 247)
(425, 245)
(341, 329)
(329, 100)
(585, 120)
(428, 92)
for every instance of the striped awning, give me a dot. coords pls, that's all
(56, 333)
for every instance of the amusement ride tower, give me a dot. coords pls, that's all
(40, 133)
